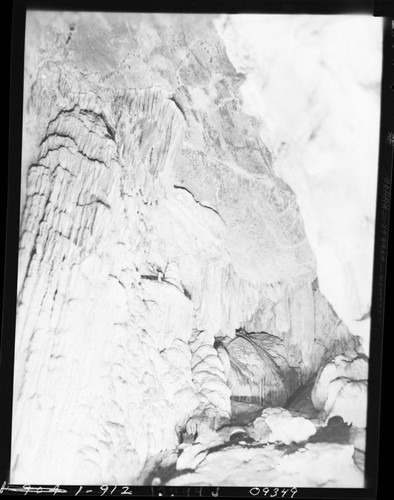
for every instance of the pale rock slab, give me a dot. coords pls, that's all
(279, 425)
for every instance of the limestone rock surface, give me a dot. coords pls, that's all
(341, 388)
(313, 466)
(279, 425)
(152, 224)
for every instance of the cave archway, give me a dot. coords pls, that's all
(254, 373)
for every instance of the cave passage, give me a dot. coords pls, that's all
(258, 426)
(254, 375)
(157, 214)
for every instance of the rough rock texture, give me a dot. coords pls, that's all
(279, 425)
(152, 224)
(348, 399)
(318, 465)
(320, 103)
(269, 367)
(341, 388)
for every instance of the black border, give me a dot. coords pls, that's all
(383, 8)
(379, 292)
(11, 200)
(376, 7)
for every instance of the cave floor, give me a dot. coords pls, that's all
(328, 459)
(307, 465)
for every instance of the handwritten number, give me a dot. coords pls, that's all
(104, 488)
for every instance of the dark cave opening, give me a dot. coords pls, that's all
(254, 377)
(259, 378)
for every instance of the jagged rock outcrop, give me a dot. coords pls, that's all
(152, 224)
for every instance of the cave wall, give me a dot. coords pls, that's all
(321, 118)
(152, 223)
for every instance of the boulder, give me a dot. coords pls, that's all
(279, 425)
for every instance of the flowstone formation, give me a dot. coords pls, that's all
(153, 233)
